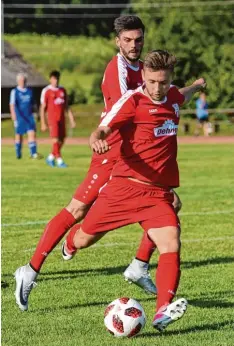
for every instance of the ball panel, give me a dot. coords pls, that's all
(133, 312)
(135, 330)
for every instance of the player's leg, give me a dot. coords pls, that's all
(167, 240)
(54, 135)
(164, 231)
(75, 211)
(61, 139)
(32, 144)
(145, 252)
(18, 145)
(206, 128)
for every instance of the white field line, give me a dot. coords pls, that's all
(106, 245)
(40, 222)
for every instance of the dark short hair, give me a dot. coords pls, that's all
(125, 23)
(55, 74)
(160, 60)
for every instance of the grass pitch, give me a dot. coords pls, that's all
(67, 306)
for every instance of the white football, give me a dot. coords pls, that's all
(124, 317)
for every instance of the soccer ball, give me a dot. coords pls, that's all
(124, 317)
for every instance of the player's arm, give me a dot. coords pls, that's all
(43, 117)
(121, 113)
(97, 139)
(70, 114)
(43, 110)
(12, 106)
(116, 80)
(190, 90)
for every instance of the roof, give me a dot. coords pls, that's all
(12, 64)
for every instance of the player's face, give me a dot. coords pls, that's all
(54, 81)
(130, 44)
(22, 82)
(157, 83)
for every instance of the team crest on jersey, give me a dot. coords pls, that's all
(59, 101)
(169, 128)
(151, 111)
(61, 94)
(177, 109)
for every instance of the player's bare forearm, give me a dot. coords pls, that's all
(71, 118)
(190, 90)
(98, 141)
(12, 110)
(42, 116)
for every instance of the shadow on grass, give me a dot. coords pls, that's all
(82, 305)
(210, 303)
(120, 269)
(195, 329)
(207, 262)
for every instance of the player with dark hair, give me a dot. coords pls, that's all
(140, 188)
(122, 73)
(54, 102)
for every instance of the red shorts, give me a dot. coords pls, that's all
(98, 175)
(58, 129)
(122, 202)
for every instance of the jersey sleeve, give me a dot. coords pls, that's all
(12, 97)
(44, 96)
(121, 113)
(115, 80)
(176, 96)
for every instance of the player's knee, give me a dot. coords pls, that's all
(77, 208)
(82, 240)
(169, 242)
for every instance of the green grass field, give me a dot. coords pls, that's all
(87, 119)
(67, 306)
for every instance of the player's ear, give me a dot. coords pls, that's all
(117, 41)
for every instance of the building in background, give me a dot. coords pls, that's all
(12, 64)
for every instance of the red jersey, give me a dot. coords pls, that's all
(118, 77)
(148, 130)
(55, 100)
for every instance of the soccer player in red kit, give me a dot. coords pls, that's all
(123, 72)
(54, 102)
(141, 181)
(118, 77)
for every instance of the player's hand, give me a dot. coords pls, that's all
(73, 124)
(100, 146)
(43, 127)
(15, 124)
(200, 83)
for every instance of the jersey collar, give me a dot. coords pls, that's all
(134, 68)
(141, 90)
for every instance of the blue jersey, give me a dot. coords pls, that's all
(201, 109)
(22, 99)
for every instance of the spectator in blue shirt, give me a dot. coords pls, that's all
(21, 108)
(202, 115)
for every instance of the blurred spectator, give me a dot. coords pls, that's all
(21, 108)
(202, 116)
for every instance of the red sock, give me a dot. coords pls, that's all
(52, 235)
(167, 277)
(56, 150)
(146, 248)
(69, 239)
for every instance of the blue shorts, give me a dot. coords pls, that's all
(24, 126)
